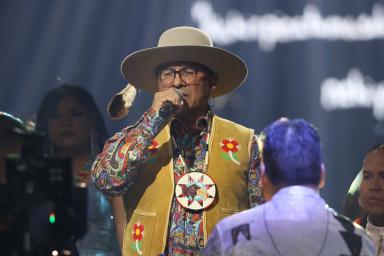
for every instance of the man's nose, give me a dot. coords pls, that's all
(375, 184)
(178, 82)
(66, 120)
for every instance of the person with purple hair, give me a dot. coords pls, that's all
(295, 220)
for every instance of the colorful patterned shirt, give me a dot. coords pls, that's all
(116, 173)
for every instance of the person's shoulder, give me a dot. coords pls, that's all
(346, 222)
(241, 219)
(238, 229)
(349, 226)
(352, 234)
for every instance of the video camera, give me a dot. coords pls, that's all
(39, 212)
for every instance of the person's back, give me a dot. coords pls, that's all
(296, 220)
(288, 227)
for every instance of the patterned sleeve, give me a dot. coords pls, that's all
(254, 190)
(213, 247)
(116, 168)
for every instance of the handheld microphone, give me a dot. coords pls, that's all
(168, 108)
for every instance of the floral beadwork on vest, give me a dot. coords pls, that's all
(230, 147)
(137, 235)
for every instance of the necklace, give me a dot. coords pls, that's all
(195, 190)
(180, 153)
(275, 245)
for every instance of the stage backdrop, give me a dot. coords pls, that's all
(318, 60)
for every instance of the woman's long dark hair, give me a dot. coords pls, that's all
(49, 104)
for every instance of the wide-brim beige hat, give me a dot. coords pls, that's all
(184, 44)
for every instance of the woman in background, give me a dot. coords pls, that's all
(73, 125)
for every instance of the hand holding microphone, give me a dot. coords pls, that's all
(168, 102)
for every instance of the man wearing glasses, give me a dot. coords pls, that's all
(180, 168)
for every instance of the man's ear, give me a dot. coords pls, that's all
(262, 174)
(322, 176)
(212, 80)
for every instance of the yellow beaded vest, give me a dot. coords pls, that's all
(148, 204)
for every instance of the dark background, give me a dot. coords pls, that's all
(44, 43)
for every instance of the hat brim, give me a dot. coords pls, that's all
(139, 67)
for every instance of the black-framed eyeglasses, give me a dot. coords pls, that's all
(187, 75)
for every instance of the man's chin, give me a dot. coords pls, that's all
(184, 112)
(375, 210)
